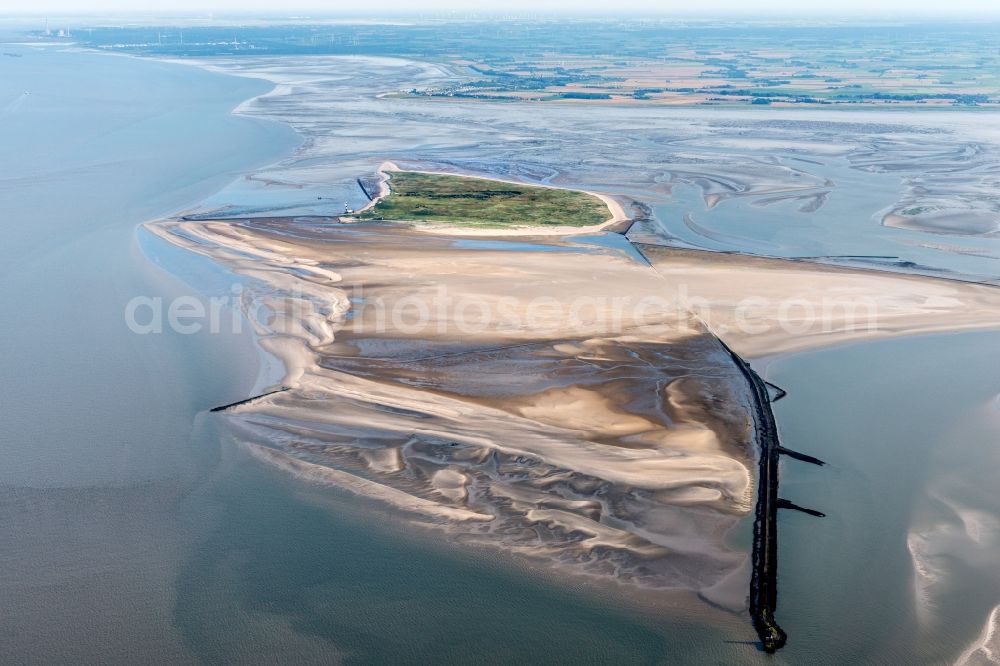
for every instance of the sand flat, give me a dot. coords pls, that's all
(565, 403)
(618, 449)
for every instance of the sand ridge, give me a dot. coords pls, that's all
(618, 452)
(612, 441)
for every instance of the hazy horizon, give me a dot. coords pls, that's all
(898, 9)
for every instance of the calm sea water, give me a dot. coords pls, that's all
(910, 430)
(128, 529)
(131, 529)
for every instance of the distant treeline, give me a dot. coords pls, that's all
(957, 98)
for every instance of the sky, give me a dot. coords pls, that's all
(651, 7)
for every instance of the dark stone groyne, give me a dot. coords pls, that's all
(764, 578)
(779, 392)
(800, 456)
(245, 401)
(787, 504)
(368, 188)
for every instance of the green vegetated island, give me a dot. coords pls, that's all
(480, 202)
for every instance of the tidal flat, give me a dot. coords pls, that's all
(808, 193)
(611, 441)
(290, 528)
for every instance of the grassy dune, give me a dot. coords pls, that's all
(484, 203)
